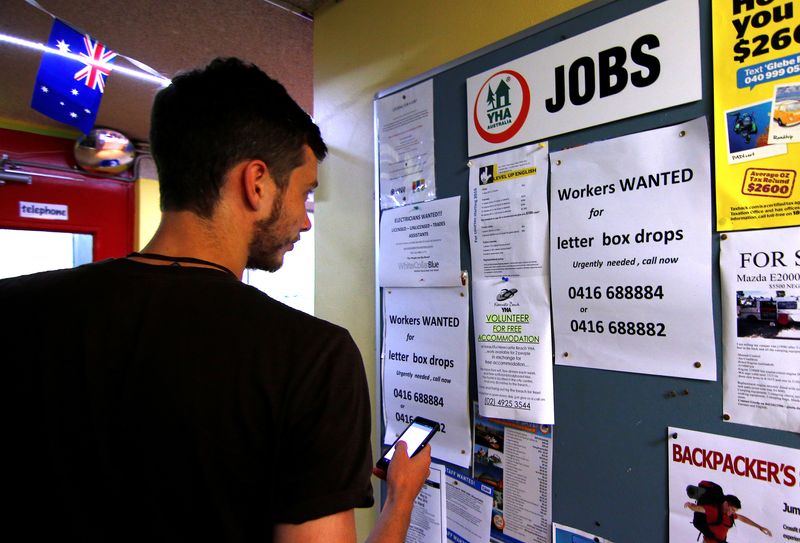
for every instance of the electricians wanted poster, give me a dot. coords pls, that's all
(513, 347)
(420, 245)
(760, 273)
(711, 474)
(757, 113)
(426, 366)
(630, 247)
(508, 213)
(405, 144)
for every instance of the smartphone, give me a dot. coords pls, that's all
(416, 436)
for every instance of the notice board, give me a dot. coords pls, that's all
(610, 467)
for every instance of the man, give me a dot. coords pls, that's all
(156, 397)
(721, 518)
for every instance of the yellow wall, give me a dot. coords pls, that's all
(360, 48)
(148, 213)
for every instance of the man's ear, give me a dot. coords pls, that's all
(258, 187)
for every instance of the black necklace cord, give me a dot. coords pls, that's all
(176, 261)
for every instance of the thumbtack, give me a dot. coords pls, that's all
(416, 207)
(558, 162)
(698, 365)
(723, 237)
(726, 417)
(682, 133)
(674, 435)
(505, 279)
(469, 164)
(566, 355)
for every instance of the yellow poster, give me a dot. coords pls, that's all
(757, 112)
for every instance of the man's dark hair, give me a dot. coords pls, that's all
(210, 119)
(733, 501)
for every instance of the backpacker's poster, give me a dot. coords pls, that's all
(757, 113)
(731, 489)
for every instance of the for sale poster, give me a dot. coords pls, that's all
(730, 489)
(760, 273)
(757, 112)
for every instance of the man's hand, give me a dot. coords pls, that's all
(406, 475)
(404, 480)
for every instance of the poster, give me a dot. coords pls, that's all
(516, 460)
(565, 534)
(405, 146)
(469, 508)
(429, 515)
(514, 348)
(420, 245)
(757, 113)
(511, 304)
(763, 478)
(760, 273)
(630, 247)
(426, 366)
(508, 213)
(640, 63)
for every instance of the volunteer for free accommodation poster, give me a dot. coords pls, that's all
(706, 468)
(405, 143)
(511, 294)
(426, 366)
(761, 321)
(757, 113)
(630, 246)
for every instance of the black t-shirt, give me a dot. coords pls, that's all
(175, 403)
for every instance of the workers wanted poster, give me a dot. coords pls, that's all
(405, 145)
(426, 366)
(757, 113)
(508, 213)
(513, 348)
(515, 459)
(711, 475)
(760, 272)
(630, 247)
(419, 245)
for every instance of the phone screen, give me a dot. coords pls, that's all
(414, 436)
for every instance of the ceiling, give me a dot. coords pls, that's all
(169, 36)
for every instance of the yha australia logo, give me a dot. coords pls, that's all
(501, 106)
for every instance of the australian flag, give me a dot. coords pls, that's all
(69, 89)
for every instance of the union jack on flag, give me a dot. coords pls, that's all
(69, 88)
(95, 71)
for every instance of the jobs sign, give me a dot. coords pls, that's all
(643, 62)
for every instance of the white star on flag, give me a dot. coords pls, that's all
(73, 114)
(62, 46)
(45, 89)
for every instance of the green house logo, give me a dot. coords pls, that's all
(501, 106)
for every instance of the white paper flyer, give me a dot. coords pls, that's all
(760, 272)
(469, 508)
(405, 143)
(630, 246)
(426, 366)
(420, 245)
(429, 516)
(735, 489)
(508, 213)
